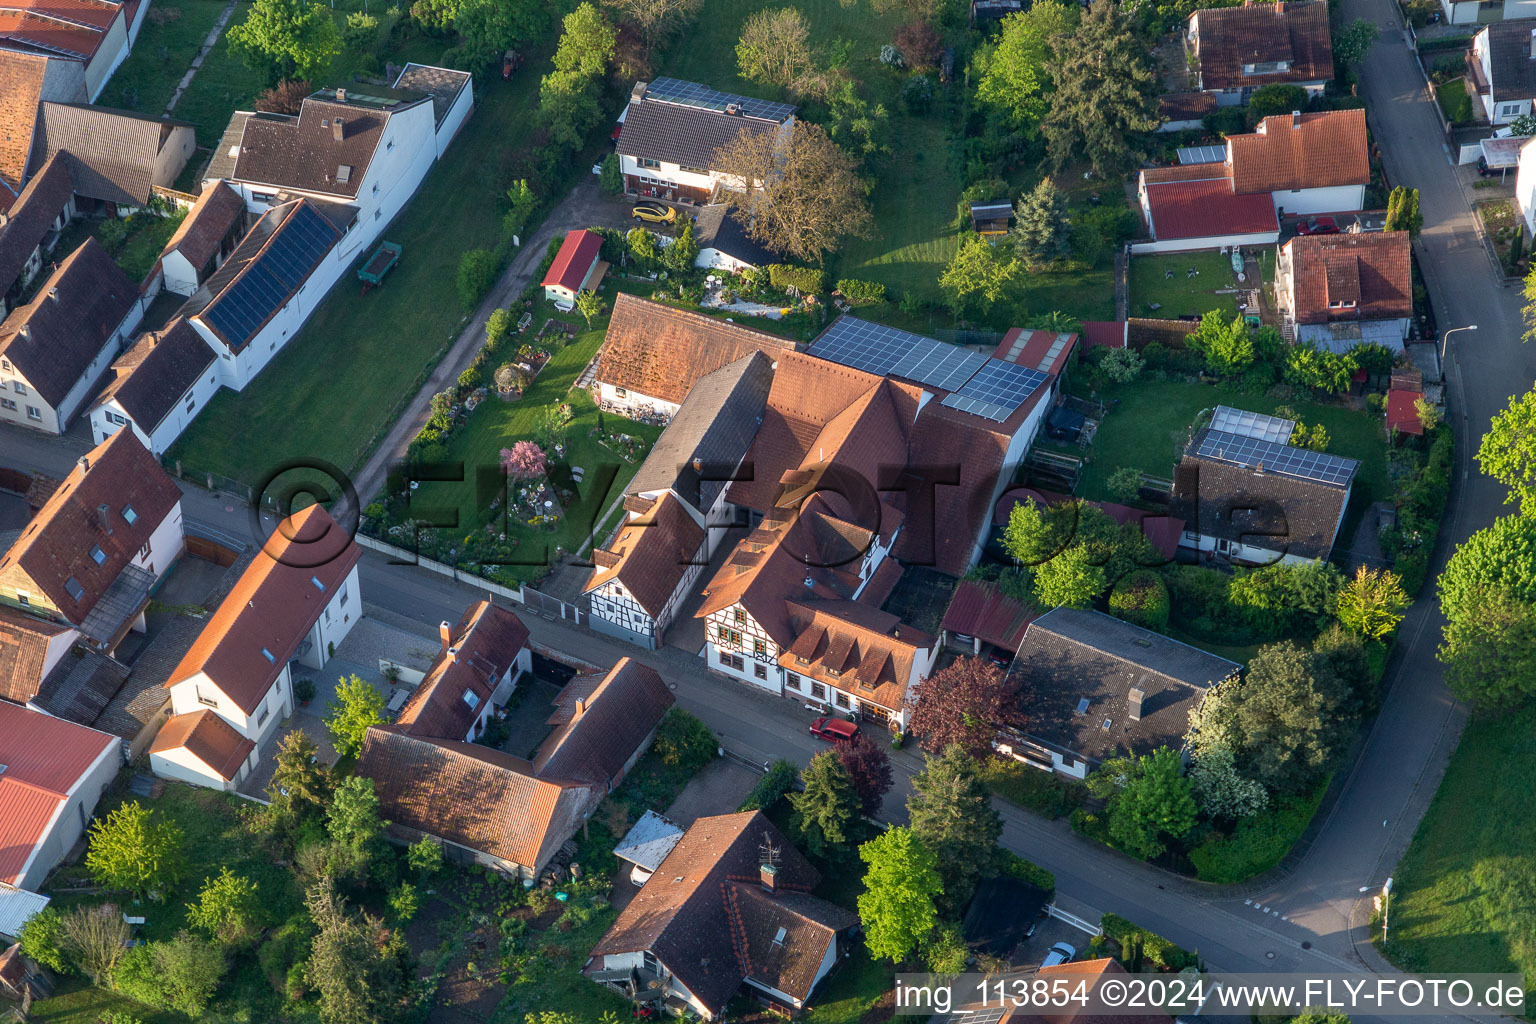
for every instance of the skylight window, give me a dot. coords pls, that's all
(778, 940)
(130, 515)
(318, 585)
(1082, 706)
(344, 173)
(97, 555)
(470, 699)
(76, 591)
(268, 655)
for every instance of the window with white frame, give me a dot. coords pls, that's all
(21, 389)
(34, 413)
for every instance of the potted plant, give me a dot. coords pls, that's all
(304, 690)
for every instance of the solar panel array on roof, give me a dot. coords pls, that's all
(997, 389)
(873, 348)
(265, 285)
(1252, 424)
(1252, 453)
(692, 94)
(1202, 154)
(939, 365)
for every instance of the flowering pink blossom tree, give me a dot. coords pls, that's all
(523, 461)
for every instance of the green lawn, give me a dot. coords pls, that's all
(338, 385)
(495, 425)
(1149, 427)
(171, 36)
(1464, 896)
(859, 984)
(1454, 101)
(1180, 294)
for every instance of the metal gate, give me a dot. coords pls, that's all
(550, 608)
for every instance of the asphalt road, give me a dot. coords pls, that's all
(1314, 918)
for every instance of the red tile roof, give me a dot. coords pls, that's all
(1263, 33)
(1200, 209)
(1403, 412)
(1032, 348)
(1302, 151)
(574, 260)
(206, 737)
(1372, 272)
(651, 554)
(24, 641)
(44, 758)
(486, 642)
(981, 610)
(856, 647)
(38, 28)
(55, 547)
(1092, 968)
(21, 87)
(599, 731)
(272, 607)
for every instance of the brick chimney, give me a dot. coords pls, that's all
(1295, 120)
(85, 463)
(446, 632)
(581, 708)
(338, 129)
(768, 875)
(453, 654)
(1137, 696)
(104, 517)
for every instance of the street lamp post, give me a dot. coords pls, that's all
(1386, 908)
(1444, 341)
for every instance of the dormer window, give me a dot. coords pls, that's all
(1268, 67)
(97, 555)
(1342, 304)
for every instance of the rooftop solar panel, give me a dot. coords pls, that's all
(1006, 385)
(1252, 424)
(873, 348)
(265, 284)
(1202, 154)
(977, 407)
(1253, 453)
(692, 94)
(939, 365)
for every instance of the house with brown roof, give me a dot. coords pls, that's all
(729, 910)
(671, 131)
(89, 38)
(204, 240)
(653, 354)
(157, 386)
(472, 677)
(27, 79)
(676, 508)
(1235, 50)
(1338, 291)
(508, 813)
(30, 231)
(576, 268)
(55, 349)
(1071, 973)
(1297, 164)
(298, 598)
(30, 648)
(94, 551)
(203, 749)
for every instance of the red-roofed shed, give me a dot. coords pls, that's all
(1208, 209)
(576, 267)
(1403, 413)
(981, 613)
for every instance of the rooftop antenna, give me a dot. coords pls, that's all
(770, 852)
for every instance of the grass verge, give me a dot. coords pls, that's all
(1257, 843)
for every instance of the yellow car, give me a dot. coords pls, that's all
(656, 213)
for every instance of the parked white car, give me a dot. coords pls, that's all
(639, 875)
(1061, 953)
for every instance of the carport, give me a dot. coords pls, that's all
(1003, 913)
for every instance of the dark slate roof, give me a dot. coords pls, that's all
(689, 136)
(81, 686)
(302, 152)
(1513, 72)
(32, 217)
(715, 426)
(717, 229)
(442, 84)
(1070, 655)
(227, 152)
(269, 265)
(151, 377)
(53, 339)
(112, 152)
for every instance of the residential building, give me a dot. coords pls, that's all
(201, 748)
(472, 677)
(729, 909)
(88, 39)
(95, 550)
(1093, 687)
(55, 771)
(576, 268)
(30, 231)
(30, 648)
(676, 507)
(508, 813)
(724, 243)
(1184, 111)
(1337, 291)
(1297, 164)
(207, 236)
(157, 387)
(672, 131)
(1235, 50)
(26, 79)
(295, 602)
(55, 349)
(1071, 973)
(453, 97)
(1475, 12)
(1247, 496)
(117, 158)
(274, 279)
(653, 355)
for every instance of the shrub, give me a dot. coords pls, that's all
(808, 280)
(1154, 949)
(286, 97)
(1141, 598)
(917, 94)
(287, 947)
(1226, 121)
(1042, 792)
(42, 939)
(478, 269)
(610, 180)
(1122, 365)
(771, 788)
(861, 293)
(360, 31)
(1257, 843)
(1125, 483)
(682, 741)
(469, 379)
(1034, 874)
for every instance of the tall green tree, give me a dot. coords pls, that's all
(229, 908)
(951, 812)
(1221, 790)
(301, 786)
(1373, 603)
(1403, 211)
(775, 48)
(1073, 579)
(1488, 598)
(1226, 345)
(1352, 41)
(1276, 98)
(1013, 74)
(826, 813)
(1149, 801)
(1035, 533)
(353, 819)
(133, 848)
(979, 274)
(286, 39)
(358, 705)
(360, 969)
(587, 44)
(900, 885)
(1044, 234)
(1106, 94)
(1508, 451)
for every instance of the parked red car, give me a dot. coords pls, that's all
(1318, 226)
(834, 729)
